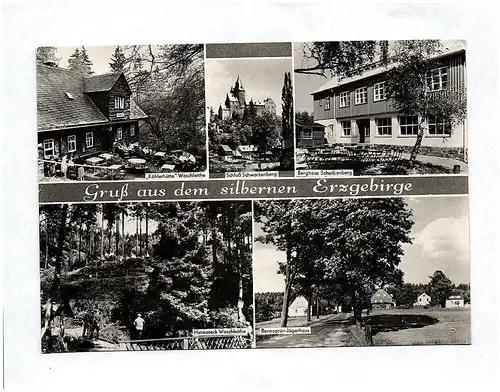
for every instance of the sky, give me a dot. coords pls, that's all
(100, 56)
(304, 84)
(440, 242)
(261, 78)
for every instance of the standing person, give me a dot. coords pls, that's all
(64, 166)
(139, 326)
(81, 173)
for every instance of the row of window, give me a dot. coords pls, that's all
(49, 148)
(435, 80)
(408, 127)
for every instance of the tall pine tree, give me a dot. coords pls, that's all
(118, 61)
(80, 62)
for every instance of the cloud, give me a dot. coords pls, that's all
(444, 244)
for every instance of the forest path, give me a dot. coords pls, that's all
(330, 332)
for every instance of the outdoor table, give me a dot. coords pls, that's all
(106, 156)
(137, 161)
(168, 167)
(115, 167)
(94, 161)
(160, 154)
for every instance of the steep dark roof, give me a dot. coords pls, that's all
(58, 110)
(97, 83)
(54, 109)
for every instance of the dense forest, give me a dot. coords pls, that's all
(181, 265)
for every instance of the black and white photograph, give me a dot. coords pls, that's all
(121, 112)
(381, 107)
(362, 272)
(250, 111)
(146, 276)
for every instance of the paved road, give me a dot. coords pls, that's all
(329, 332)
(440, 161)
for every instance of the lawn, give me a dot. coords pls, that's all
(398, 327)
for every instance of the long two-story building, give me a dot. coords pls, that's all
(83, 116)
(356, 109)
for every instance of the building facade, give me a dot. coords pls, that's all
(423, 300)
(310, 135)
(357, 110)
(298, 307)
(455, 300)
(382, 300)
(83, 116)
(236, 103)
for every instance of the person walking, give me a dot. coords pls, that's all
(139, 326)
(64, 166)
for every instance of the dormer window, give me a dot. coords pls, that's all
(119, 103)
(69, 96)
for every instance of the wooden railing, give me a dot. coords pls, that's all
(187, 343)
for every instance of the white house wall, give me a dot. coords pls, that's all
(458, 138)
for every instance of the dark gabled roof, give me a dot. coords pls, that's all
(226, 148)
(98, 83)
(54, 108)
(313, 125)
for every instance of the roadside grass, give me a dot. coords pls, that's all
(397, 327)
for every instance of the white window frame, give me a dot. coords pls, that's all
(384, 130)
(346, 128)
(413, 125)
(119, 103)
(345, 99)
(304, 133)
(437, 79)
(89, 139)
(132, 130)
(45, 149)
(361, 95)
(440, 126)
(327, 103)
(119, 133)
(379, 93)
(71, 139)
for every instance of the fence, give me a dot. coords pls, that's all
(187, 343)
(353, 155)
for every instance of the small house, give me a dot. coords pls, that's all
(247, 151)
(455, 300)
(310, 135)
(382, 300)
(84, 116)
(423, 300)
(225, 152)
(298, 307)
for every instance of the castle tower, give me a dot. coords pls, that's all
(239, 92)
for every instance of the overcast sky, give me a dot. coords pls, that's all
(261, 78)
(441, 241)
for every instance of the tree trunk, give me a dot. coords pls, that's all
(309, 306)
(117, 237)
(288, 286)
(147, 231)
(102, 234)
(317, 306)
(140, 236)
(356, 312)
(46, 246)
(123, 234)
(79, 246)
(422, 127)
(56, 282)
(137, 235)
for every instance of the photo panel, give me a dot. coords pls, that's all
(362, 272)
(146, 276)
(381, 108)
(121, 112)
(250, 110)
